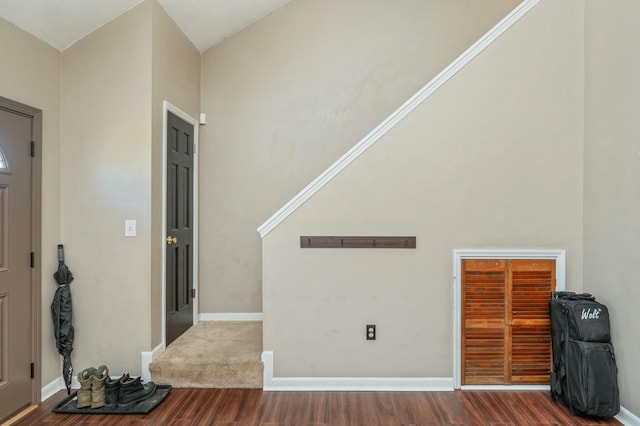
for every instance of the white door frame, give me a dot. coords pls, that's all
(167, 108)
(458, 256)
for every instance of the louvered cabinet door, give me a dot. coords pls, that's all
(484, 335)
(506, 336)
(532, 282)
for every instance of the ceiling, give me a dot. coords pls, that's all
(61, 23)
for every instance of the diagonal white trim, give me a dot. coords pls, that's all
(627, 418)
(397, 116)
(387, 384)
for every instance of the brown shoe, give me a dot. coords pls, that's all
(97, 390)
(85, 377)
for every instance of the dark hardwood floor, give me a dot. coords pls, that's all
(254, 407)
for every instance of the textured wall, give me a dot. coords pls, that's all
(612, 179)
(494, 159)
(287, 96)
(106, 178)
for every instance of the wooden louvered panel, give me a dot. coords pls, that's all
(483, 313)
(532, 284)
(484, 356)
(530, 355)
(483, 298)
(505, 312)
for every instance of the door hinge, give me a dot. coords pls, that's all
(33, 260)
(33, 370)
(33, 149)
(193, 293)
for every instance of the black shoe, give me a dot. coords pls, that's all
(133, 391)
(112, 391)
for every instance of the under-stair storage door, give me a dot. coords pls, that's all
(506, 336)
(532, 282)
(484, 335)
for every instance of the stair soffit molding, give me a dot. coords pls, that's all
(397, 116)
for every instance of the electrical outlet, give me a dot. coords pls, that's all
(371, 332)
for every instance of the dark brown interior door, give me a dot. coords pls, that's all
(179, 241)
(15, 267)
(506, 335)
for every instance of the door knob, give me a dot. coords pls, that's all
(172, 240)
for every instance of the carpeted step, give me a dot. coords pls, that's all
(213, 354)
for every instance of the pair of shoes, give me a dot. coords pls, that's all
(126, 391)
(91, 392)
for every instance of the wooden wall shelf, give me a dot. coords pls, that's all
(357, 242)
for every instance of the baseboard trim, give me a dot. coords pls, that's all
(507, 387)
(51, 388)
(231, 316)
(627, 418)
(388, 384)
(57, 384)
(359, 384)
(146, 358)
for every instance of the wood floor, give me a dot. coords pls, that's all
(253, 407)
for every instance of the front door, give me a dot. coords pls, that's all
(15, 262)
(179, 240)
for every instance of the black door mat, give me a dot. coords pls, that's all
(68, 405)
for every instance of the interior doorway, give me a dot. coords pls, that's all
(20, 171)
(485, 325)
(180, 223)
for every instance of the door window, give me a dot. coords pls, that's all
(4, 163)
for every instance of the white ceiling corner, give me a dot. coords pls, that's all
(207, 22)
(61, 23)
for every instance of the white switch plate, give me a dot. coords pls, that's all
(130, 228)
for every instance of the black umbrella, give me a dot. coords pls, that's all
(61, 313)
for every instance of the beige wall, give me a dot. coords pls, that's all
(287, 96)
(612, 178)
(30, 73)
(493, 160)
(114, 83)
(105, 179)
(176, 78)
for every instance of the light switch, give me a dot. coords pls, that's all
(130, 228)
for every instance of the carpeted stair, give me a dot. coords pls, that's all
(213, 354)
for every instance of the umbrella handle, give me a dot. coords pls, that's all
(60, 253)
